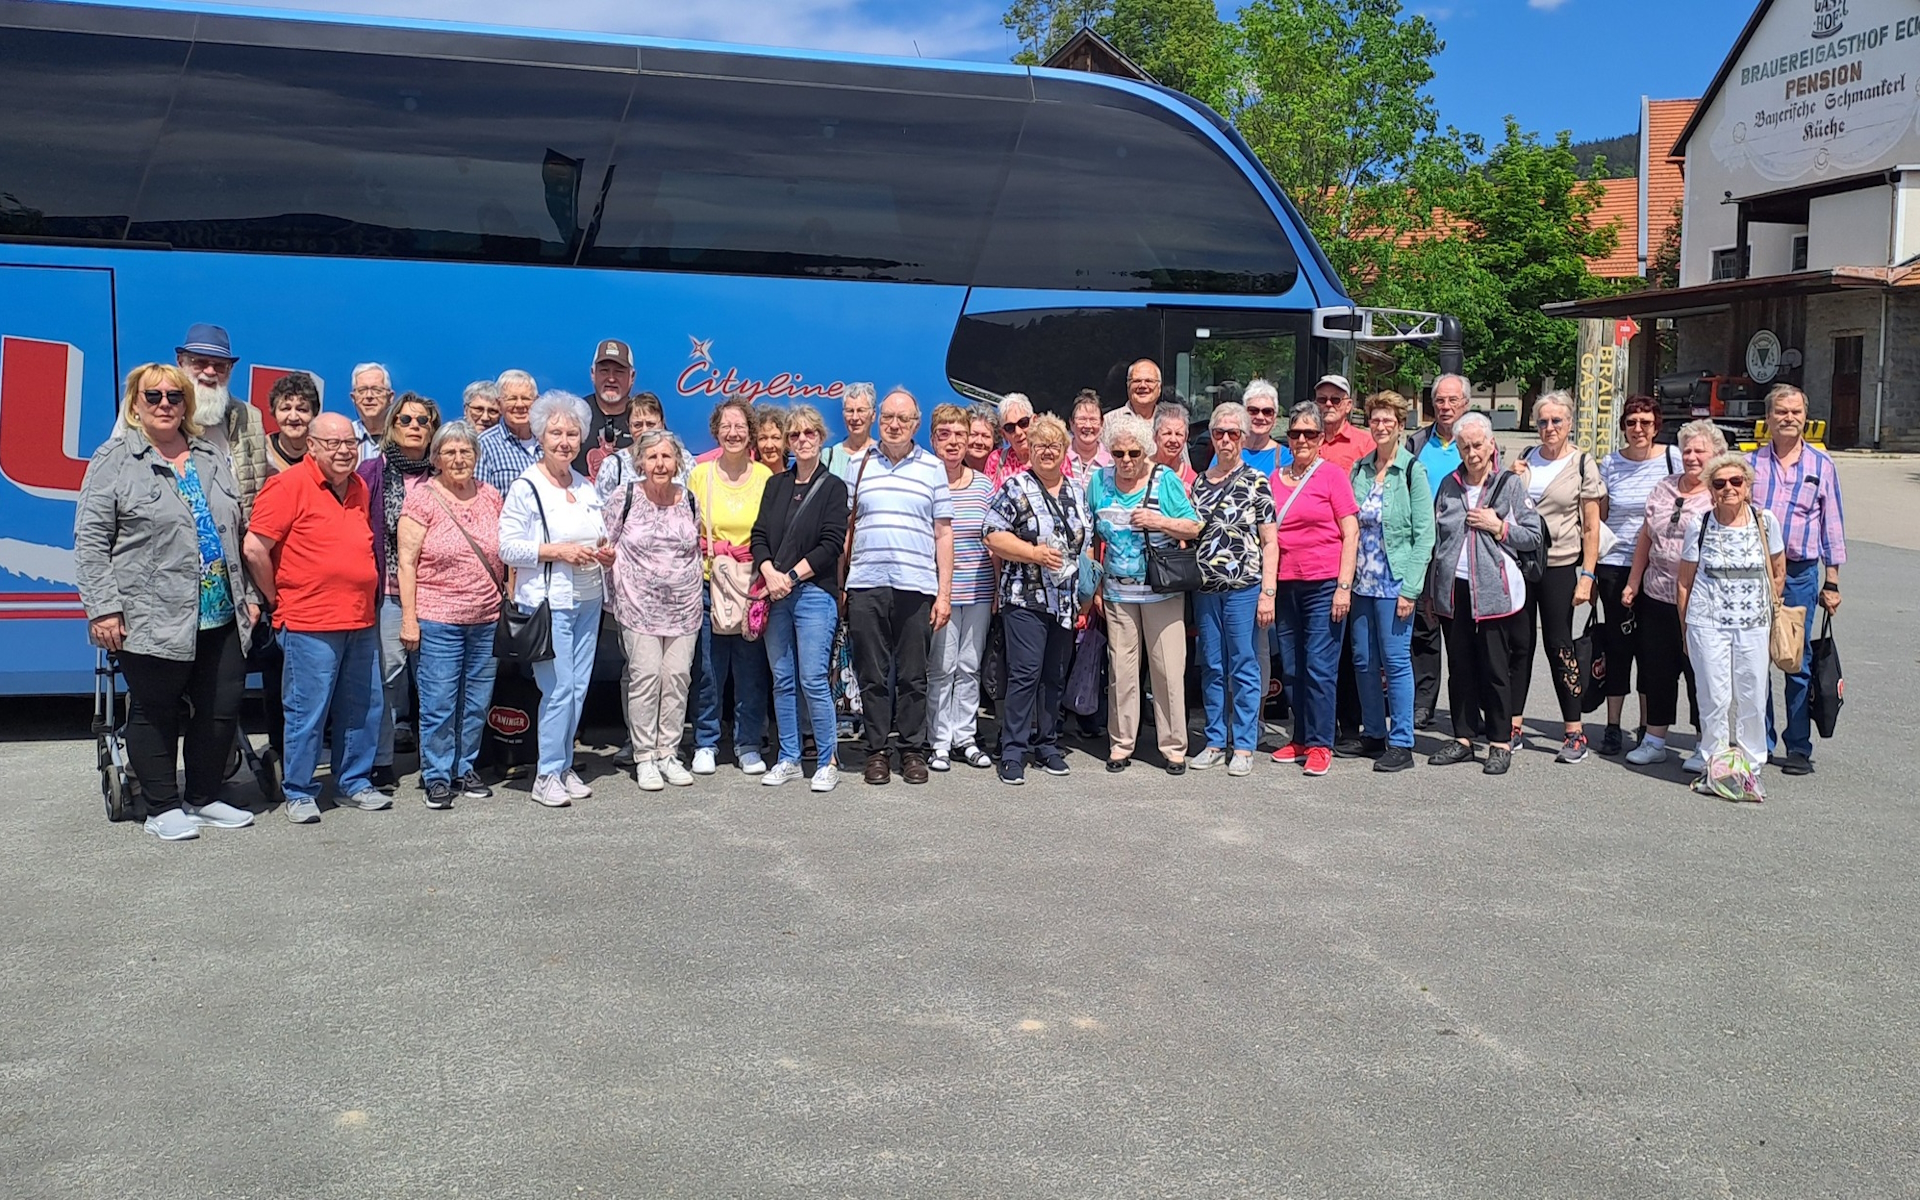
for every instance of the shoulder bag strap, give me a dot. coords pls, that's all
(1298, 487)
(853, 514)
(477, 552)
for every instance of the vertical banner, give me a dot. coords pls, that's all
(1603, 383)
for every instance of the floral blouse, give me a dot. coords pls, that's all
(1023, 508)
(1231, 514)
(657, 576)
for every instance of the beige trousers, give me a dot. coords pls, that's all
(658, 670)
(1161, 629)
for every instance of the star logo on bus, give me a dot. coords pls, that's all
(701, 350)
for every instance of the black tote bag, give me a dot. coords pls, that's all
(1826, 688)
(1590, 657)
(523, 635)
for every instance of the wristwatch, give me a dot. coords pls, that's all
(1269, 591)
(793, 575)
(1343, 587)
(1830, 586)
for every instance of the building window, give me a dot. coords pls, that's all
(1799, 254)
(1726, 263)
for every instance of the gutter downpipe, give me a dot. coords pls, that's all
(1896, 232)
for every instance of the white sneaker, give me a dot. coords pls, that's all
(576, 787)
(750, 764)
(647, 775)
(826, 778)
(219, 814)
(303, 812)
(1646, 754)
(1242, 763)
(676, 772)
(174, 825)
(624, 757)
(548, 790)
(782, 772)
(1212, 756)
(703, 761)
(1696, 762)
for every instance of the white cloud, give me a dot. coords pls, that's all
(1545, 5)
(958, 29)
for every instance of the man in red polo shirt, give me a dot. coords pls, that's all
(1340, 443)
(310, 547)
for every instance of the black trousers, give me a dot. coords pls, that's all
(892, 634)
(1622, 639)
(204, 695)
(1549, 611)
(271, 662)
(1663, 660)
(1428, 637)
(1480, 657)
(1039, 651)
(1346, 695)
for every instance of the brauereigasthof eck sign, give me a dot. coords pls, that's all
(1824, 88)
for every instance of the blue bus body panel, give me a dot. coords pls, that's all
(437, 326)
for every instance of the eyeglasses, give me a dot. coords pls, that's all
(209, 364)
(1049, 448)
(408, 420)
(170, 398)
(1143, 381)
(372, 391)
(1329, 399)
(1639, 423)
(1311, 435)
(1126, 455)
(1549, 422)
(1732, 481)
(1262, 411)
(897, 419)
(948, 433)
(1010, 426)
(795, 434)
(1217, 434)
(333, 443)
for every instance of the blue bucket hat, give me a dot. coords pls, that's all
(210, 340)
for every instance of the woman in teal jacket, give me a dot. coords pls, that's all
(1396, 542)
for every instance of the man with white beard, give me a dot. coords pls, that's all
(234, 427)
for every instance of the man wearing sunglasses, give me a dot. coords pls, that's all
(1340, 443)
(231, 426)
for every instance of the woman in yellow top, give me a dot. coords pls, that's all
(726, 494)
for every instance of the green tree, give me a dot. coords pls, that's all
(1043, 26)
(1182, 43)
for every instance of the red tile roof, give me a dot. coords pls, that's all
(1619, 206)
(1665, 184)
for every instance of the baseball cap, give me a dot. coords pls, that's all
(616, 350)
(1339, 381)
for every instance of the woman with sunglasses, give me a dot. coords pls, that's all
(1630, 474)
(1652, 591)
(1016, 419)
(402, 465)
(1317, 532)
(1565, 488)
(156, 555)
(1733, 565)
(1234, 606)
(1134, 500)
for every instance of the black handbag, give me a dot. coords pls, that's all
(993, 661)
(1826, 687)
(1590, 658)
(524, 636)
(1174, 567)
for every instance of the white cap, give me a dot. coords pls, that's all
(1339, 381)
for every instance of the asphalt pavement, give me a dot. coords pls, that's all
(1574, 981)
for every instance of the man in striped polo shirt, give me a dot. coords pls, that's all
(1800, 487)
(899, 584)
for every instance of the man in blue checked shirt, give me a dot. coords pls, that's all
(1800, 487)
(509, 448)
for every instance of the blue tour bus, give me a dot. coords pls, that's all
(454, 201)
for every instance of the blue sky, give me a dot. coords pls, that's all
(1554, 64)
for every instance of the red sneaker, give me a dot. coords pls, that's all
(1289, 754)
(1318, 760)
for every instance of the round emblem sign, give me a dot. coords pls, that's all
(1763, 356)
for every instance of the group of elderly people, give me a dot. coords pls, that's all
(342, 570)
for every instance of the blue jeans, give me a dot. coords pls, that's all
(1231, 644)
(722, 655)
(331, 676)
(563, 681)
(1309, 657)
(456, 667)
(1804, 577)
(799, 641)
(1383, 650)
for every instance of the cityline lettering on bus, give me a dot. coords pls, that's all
(703, 378)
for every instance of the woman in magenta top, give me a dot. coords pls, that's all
(450, 583)
(1318, 533)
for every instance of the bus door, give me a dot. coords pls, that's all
(59, 396)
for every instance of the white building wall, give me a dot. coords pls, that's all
(1772, 247)
(1850, 229)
